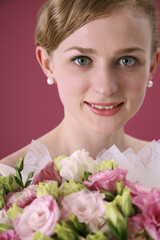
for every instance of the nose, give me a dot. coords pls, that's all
(105, 82)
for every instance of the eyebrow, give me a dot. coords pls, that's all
(82, 50)
(92, 51)
(130, 50)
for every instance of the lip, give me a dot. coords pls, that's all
(104, 104)
(105, 112)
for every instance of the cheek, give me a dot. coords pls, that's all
(137, 85)
(135, 90)
(71, 86)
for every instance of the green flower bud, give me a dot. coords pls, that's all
(116, 221)
(113, 214)
(30, 175)
(14, 211)
(70, 187)
(98, 236)
(108, 195)
(19, 164)
(120, 187)
(57, 161)
(110, 164)
(48, 189)
(41, 236)
(124, 202)
(65, 231)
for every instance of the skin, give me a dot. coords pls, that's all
(107, 61)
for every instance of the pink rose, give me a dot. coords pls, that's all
(41, 215)
(87, 206)
(135, 187)
(106, 179)
(9, 235)
(149, 204)
(22, 198)
(49, 172)
(135, 224)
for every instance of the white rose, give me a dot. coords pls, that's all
(88, 206)
(73, 167)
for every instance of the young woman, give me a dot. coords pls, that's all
(102, 55)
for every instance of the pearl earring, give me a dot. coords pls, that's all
(50, 81)
(150, 84)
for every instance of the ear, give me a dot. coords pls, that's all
(44, 61)
(154, 63)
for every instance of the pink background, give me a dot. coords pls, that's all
(28, 106)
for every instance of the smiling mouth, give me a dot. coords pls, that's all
(103, 107)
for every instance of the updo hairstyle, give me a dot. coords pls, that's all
(58, 19)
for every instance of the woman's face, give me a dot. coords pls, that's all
(102, 70)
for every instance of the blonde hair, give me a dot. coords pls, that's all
(58, 19)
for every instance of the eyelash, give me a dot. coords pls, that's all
(82, 57)
(89, 60)
(129, 57)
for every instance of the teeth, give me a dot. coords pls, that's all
(102, 107)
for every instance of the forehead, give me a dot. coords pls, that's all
(123, 26)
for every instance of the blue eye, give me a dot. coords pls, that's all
(128, 61)
(82, 60)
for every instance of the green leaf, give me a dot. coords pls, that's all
(3, 189)
(86, 175)
(70, 187)
(7, 184)
(27, 183)
(50, 188)
(10, 179)
(19, 182)
(18, 175)
(4, 227)
(14, 211)
(41, 236)
(79, 227)
(110, 164)
(64, 231)
(2, 201)
(97, 236)
(57, 161)
(113, 229)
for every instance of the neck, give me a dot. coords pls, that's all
(73, 138)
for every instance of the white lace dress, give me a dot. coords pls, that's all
(143, 166)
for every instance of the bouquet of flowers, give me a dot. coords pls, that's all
(77, 198)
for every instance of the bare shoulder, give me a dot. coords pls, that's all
(13, 158)
(49, 140)
(136, 144)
